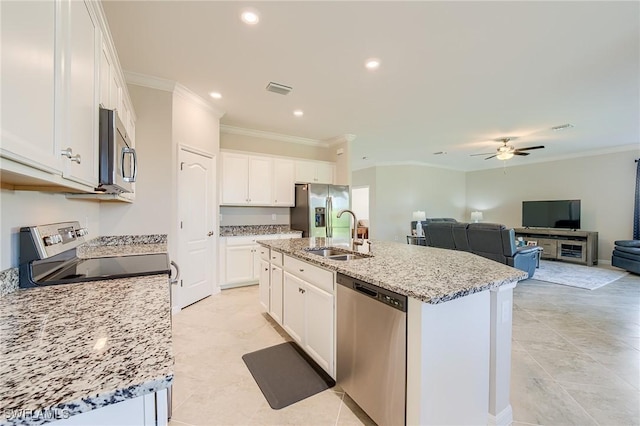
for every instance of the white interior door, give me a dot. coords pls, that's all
(196, 192)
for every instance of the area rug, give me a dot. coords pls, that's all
(286, 374)
(587, 277)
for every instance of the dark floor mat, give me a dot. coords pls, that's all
(285, 374)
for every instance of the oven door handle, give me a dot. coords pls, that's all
(174, 281)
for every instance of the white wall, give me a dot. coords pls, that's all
(397, 191)
(151, 211)
(604, 184)
(274, 147)
(28, 208)
(360, 202)
(231, 216)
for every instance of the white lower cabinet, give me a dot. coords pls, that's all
(308, 312)
(293, 320)
(239, 259)
(265, 284)
(277, 290)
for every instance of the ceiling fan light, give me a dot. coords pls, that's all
(504, 155)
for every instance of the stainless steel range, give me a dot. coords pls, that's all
(48, 257)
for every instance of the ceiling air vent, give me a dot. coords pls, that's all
(278, 88)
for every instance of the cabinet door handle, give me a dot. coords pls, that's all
(301, 270)
(266, 269)
(273, 269)
(69, 154)
(210, 233)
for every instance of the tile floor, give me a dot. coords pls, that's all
(576, 360)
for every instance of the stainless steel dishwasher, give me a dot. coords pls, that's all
(372, 349)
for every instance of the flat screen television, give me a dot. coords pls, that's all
(551, 214)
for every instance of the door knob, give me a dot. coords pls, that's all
(210, 233)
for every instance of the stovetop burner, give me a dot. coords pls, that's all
(44, 262)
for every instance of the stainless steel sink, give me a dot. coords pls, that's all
(336, 253)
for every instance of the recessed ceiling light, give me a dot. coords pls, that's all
(250, 17)
(215, 95)
(298, 113)
(372, 63)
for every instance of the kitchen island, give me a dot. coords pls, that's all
(458, 324)
(88, 353)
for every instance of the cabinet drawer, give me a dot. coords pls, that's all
(319, 277)
(275, 258)
(241, 241)
(264, 253)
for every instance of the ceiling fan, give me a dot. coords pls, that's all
(506, 152)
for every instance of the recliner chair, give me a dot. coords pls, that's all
(494, 241)
(626, 255)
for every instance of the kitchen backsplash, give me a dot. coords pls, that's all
(233, 231)
(235, 216)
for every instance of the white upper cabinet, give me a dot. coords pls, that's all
(314, 172)
(80, 130)
(29, 83)
(58, 66)
(283, 182)
(252, 180)
(235, 178)
(260, 177)
(246, 179)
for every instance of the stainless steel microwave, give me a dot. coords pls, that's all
(118, 161)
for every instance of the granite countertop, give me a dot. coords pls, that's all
(247, 230)
(72, 348)
(429, 274)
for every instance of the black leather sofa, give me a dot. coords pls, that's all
(490, 240)
(626, 255)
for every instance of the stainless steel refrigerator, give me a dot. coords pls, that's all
(316, 210)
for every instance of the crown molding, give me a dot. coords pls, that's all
(169, 86)
(224, 128)
(347, 137)
(149, 81)
(181, 90)
(507, 163)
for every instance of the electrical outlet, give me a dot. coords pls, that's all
(274, 217)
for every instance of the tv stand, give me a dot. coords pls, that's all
(563, 244)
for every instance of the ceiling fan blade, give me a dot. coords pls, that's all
(484, 153)
(530, 148)
(520, 153)
(491, 156)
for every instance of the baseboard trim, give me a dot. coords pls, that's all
(228, 286)
(504, 418)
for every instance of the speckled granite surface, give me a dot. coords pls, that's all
(87, 251)
(8, 281)
(429, 274)
(82, 346)
(120, 240)
(234, 231)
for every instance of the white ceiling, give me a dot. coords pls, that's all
(454, 75)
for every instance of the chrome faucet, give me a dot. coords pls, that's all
(354, 239)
